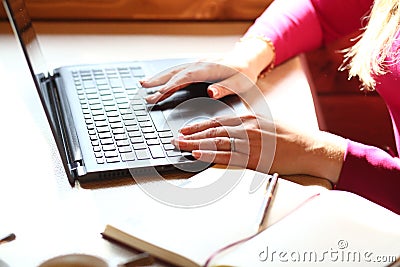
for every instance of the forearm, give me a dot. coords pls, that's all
(304, 25)
(325, 156)
(372, 173)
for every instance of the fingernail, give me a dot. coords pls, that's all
(183, 129)
(150, 98)
(196, 154)
(213, 92)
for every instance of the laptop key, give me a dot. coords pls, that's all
(146, 124)
(166, 140)
(118, 137)
(129, 156)
(122, 100)
(92, 97)
(135, 134)
(135, 140)
(152, 142)
(113, 160)
(138, 107)
(108, 147)
(103, 129)
(125, 111)
(136, 102)
(93, 101)
(99, 118)
(115, 83)
(156, 152)
(111, 154)
(121, 143)
(112, 113)
(139, 146)
(107, 141)
(101, 123)
(116, 125)
(110, 108)
(129, 122)
(165, 134)
(148, 130)
(105, 135)
(129, 82)
(88, 84)
(114, 119)
(132, 128)
(142, 154)
(97, 112)
(118, 131)
(125, 149)
(159, 120)
(128, 117)
(140, 112)
(169, 147)
(96, 107)
(150, 135)
(142, 118)
(174, 153)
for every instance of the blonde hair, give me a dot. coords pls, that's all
(367, 57)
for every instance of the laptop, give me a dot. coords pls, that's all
(103, 127)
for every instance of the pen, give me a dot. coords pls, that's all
(7, 238)
(269, 193)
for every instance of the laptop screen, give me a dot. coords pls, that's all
(23, 28)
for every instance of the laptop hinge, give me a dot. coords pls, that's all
(77, 168)
(67, 138)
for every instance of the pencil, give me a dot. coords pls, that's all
(269, 194)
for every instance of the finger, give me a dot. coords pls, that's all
(186, 77)
(221, 157)
(181, 79)
(214, 132)
(235, 84)
(157, 96)
(215, 122)
(163, 77)
(219, 143)
(216, 144)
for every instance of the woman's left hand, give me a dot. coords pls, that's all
(263, 145)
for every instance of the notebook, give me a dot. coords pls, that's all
(101, 123)
(306, 226)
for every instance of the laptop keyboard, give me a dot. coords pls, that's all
(119, 124)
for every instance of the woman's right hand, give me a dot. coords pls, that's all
(235, 72)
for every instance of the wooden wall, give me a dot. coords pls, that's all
(145, 9)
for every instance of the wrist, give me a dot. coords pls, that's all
(266, 54)
(258, 53)
(327, 156)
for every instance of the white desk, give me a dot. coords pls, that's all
(48, 216)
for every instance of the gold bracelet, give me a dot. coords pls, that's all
(268, 41)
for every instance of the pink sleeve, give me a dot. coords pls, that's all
(303, 25)
(373, 174)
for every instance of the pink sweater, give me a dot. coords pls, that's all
(304, 25)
